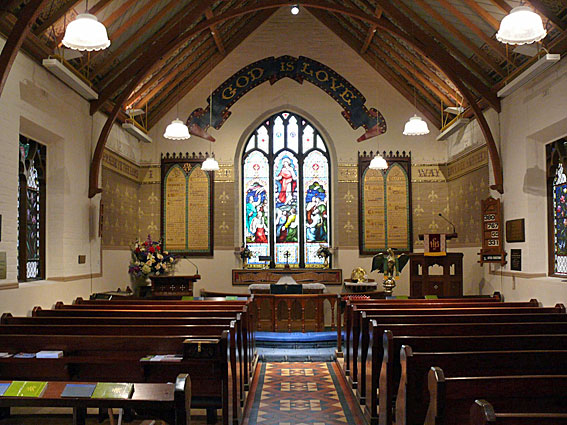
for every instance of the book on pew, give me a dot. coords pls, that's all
(25, 389)
(113, 390)
(24, 356)
(78, 390)
(3, 387)
(46, 354)
(5, 355)
(162, 358)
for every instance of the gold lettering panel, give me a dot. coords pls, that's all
(198, 210)
(373, 206)
(175, 188)
(397, 208)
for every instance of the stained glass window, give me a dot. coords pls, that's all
(31, 211)
(560, 220)
(286, 161)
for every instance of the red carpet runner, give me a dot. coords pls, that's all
(299, 393)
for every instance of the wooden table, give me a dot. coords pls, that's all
(173, 401)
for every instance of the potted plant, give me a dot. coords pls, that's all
(245, 254)
(324, 252)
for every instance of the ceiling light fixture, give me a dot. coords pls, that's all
(378, 162)
(86, 33)
(416, 127)
(177, 130)
(521, 26)
(294, 9)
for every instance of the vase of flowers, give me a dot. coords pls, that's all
(324, 252)
(148, 259)
(245, 254)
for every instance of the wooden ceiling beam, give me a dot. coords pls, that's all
(399, 47)
(190, 83)
(135, 18)
(99, 6)
(154, 53)
(371, 31)
(484, 14)
(215, 33)
(453, 50)
(168, 73)
(55, 16)
(544, 10)
(119, 12)
(103, 66)
(495, 45)
(457, 33)
(390, 76)
(16, 38)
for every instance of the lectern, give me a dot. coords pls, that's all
(173, 286)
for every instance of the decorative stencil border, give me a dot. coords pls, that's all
(348, 173)
(121, 165)
(468, 163)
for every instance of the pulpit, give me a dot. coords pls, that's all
(447, 284)
(173, 286)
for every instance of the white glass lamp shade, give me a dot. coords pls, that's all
(416, 127)
(294, 9)
(86, 33)
(521, 26)
(210, 164)
(378, 163)
(177, 130)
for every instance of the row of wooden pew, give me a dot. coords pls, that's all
(105, 340)
(449, 361)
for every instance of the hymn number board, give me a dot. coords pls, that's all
(492, 250)
(384, 206)
(186, 205)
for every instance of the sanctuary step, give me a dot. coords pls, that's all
(296, 346)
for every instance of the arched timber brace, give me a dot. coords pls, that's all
(17, 37)
(170, 40)
(273, 69)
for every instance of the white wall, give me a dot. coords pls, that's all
(36, 104)
(531, 117)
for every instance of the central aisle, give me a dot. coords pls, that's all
(301, 393)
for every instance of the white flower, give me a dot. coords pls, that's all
(146, 269)
(159, 256)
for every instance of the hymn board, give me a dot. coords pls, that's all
(384, 204)
(186, 205)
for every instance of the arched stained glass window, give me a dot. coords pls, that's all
(557, 206)
(286, 192)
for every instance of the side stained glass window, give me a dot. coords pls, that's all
(286, 193)
(31, 211)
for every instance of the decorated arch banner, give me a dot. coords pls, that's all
(300, 69)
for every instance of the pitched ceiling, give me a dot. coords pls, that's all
(184, 40)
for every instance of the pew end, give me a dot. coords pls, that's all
(4, 318)
(182, 397)
(436, 386)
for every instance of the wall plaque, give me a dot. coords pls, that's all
(384, 206)
(3, 265)
(516, 259)
(492, 250)
(515, 230)
(186, 205)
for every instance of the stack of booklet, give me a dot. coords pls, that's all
(100, 390)
(162, 358)
(23, 389)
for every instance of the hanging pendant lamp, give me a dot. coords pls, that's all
(86, 33)
(378, 163)
(210, 164)
(177, 130)
(416, 127)
(521, 26)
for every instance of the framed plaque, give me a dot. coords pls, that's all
(492, 250)
(384, 205)
(516, 259)
(186, 205)
(515, 230)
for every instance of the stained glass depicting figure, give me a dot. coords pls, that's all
(286, 194)
(560, 220)
(256, 205)
(316, 212)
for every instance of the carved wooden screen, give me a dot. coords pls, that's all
(186, 205)
(384, 205)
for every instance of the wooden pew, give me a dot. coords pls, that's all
(244, 299)
(117, 358)
(450, 399)
(358, 334)
(382, 358)
(482, 413)
(352, 327)
(172, 401)
(164, 313)
(411, 401)
(462, 328)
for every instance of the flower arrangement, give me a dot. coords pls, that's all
(245, 252)
(324, 252)
(149, 259)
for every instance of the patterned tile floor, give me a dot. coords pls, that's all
(302, 393)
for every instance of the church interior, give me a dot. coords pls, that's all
(190, 203)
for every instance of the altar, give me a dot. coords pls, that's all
(252, 276)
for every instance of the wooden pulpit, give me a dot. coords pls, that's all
(173, 286)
